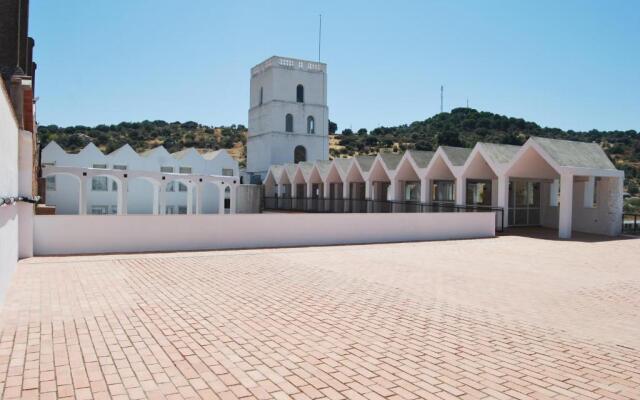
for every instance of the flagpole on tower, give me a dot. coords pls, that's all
(319, 37)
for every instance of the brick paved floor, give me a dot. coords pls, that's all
(510, 317)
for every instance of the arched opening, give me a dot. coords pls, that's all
(288, 122)
(141, 195)
(300, 94)
(311, 125)
(227, 200)
(210, 198)
(102, 198)
(178, 194)
(299, 154)
(63, 191)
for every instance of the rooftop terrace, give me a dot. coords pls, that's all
(510, 317)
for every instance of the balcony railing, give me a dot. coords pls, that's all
(317, 205)
(631, 223)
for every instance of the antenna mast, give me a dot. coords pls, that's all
(319, 37)
(441, 98)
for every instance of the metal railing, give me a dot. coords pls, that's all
(318, 205)
(631, 223)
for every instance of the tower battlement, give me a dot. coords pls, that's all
(290, 63)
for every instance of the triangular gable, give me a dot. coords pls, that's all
(401, 170)
(379, 171)
(441, 157)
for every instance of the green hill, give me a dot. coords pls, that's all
(460, 127)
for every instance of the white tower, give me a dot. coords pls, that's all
(288, 114)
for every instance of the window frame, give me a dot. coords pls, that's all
(311, 125)
(288, 123)
(300, 93)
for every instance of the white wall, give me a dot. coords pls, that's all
(268, 143)
(140, 194)
(82, 234)
(8, 187)
(603, 219)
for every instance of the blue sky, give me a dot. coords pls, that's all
(572, 64)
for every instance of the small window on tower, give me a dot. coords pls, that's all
(300, 94)
(288, 123)
(311, 125)
(299, 154)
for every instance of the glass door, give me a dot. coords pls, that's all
(524, 203)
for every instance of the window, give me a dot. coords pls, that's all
(171, 187)
(300, 94)
(311, 125)
(99, 184)
(288, 122)
(101, 166)
(412, 191)
(48, 164)
(170, 209)
(182, 187)
(166, 169)
(261, 96)
(443, 191)
(51, 183)
(227, 171)
(299, 154)
(478, 192)
(114, 186)
(595, 191)
(120, 167)
(185, 170)
(182, 209)
(99, 210)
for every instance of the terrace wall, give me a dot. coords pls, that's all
(9, 136)
(85, 234)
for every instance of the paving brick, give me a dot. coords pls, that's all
(510, 317)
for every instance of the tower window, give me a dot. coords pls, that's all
(261, 95)
(299, 154)
(288, 123)
(300, 94)
(311, 125)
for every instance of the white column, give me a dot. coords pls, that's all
(309, 190)
(294, 190)
(326, 189)
(589, 188)
(163, 198)
(85, 185)
(189, 199)
(392, 191)
(503, 197)
(122, 197)
(156, 199)
(613, 198)
(232, 199)
(566, 206)
(199, 197)
(281, 190)
(221, 190)
(425, 191)
(461, 191)
(368, 190)
(346, 190)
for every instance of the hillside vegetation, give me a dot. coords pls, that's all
(460, 127)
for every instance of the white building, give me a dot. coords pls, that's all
(288, 114)
(570, 186)
(157, 182)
